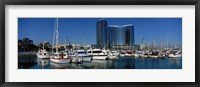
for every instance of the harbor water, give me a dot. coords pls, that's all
(32, 62)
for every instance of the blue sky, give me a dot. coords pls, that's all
(83, 30)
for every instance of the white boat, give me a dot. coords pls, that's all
(80, 55)
(136, 55)
(174, 54)
(144, 55)
(98, 54)
(59, 57)
(74, 58)
(42, 53)
(112, 55)
(128, 54)
(154, 55)
(122, 54)
(114, 52)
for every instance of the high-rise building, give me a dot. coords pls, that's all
(121, 35)
(129, 35)
(101, 33)
(114, 35)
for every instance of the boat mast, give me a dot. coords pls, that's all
(65, 43)
(43, 46)
(167, 43)
(57, 35)
(154, 45)
(54, 37)
(66, 40)
(175, 45)
(161, 45)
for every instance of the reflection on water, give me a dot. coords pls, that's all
(42, 63)
(121, 63)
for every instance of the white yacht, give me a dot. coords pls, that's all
(136, 55)
(174, 54)
(128, 54)
(98, 53)
(113, 54)
(42, 53)
(81, 55)
(59, 57)
(144, 55)
(122, 53)
(154, 55)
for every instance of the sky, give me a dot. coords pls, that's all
(83, 30)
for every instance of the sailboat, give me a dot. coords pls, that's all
(59, 57)
(42, 53)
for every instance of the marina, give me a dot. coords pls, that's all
(115, 48)
(121, 63)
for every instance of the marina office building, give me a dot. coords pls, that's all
(114, 36)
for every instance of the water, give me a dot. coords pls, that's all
(32, 62)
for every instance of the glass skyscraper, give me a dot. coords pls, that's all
(101, 33)
(114, 35)
(121, 35)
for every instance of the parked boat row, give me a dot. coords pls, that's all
(82, 55)
(170, 53)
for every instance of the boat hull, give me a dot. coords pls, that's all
(42, 56)
(86, 59)
(61, 60)
(82, 58)
(136, 55)
(100, 57)
(144, 56)
(174, 56)
(122, 55)
(112, 57)
(128, 55)
(151, 56)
